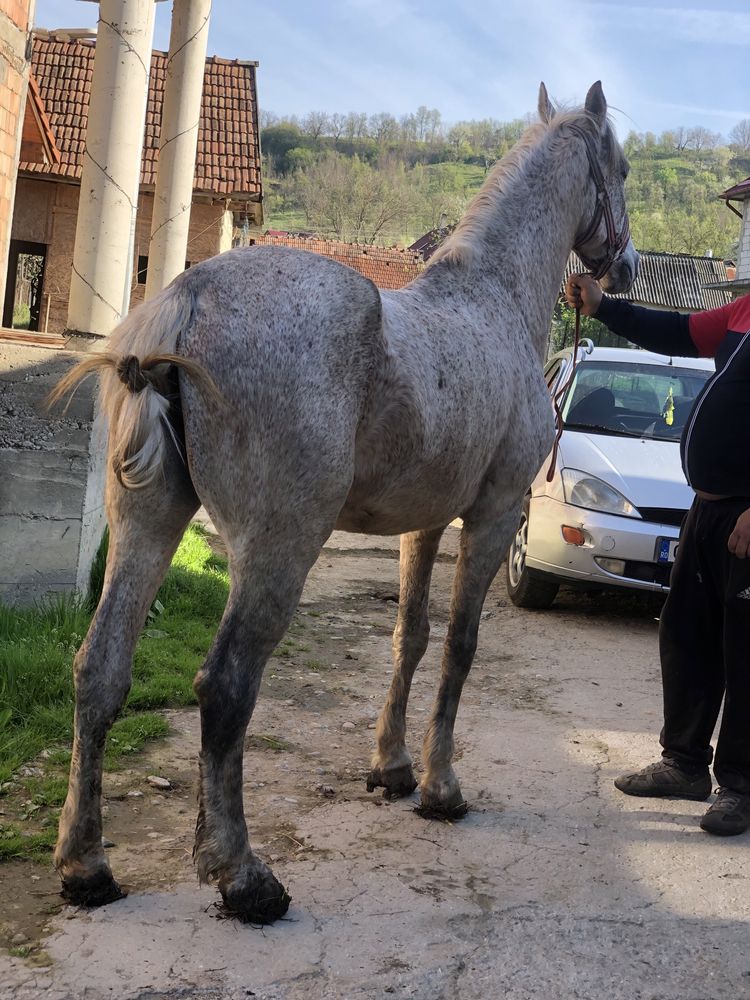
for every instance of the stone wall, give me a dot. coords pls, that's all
(51, 510)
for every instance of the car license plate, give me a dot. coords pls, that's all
(666, 549)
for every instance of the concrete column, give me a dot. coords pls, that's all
(102, 265)
(179, 139)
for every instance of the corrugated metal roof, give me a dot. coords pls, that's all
(672, 281)
(227, 159)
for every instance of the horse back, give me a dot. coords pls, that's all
(291, 340)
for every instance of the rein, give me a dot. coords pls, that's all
(558, 396)
(616, 243)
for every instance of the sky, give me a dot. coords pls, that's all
(662, 64)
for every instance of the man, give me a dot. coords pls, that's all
(704, 633)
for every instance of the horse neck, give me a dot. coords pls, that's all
(521, 248)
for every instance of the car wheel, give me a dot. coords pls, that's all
(525, 590)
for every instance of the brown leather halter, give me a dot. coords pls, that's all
(616, 244)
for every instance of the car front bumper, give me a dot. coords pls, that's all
(628, 546)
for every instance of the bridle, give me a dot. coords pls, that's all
(616, 241)
(616, 244)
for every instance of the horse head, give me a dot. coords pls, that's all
(602, 238)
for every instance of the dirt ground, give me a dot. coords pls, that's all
(554, 886)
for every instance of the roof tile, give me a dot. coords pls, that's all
(388, 267)
(227, 159)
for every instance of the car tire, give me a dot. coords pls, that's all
(525, 588)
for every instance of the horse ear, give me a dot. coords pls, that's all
(596, 103)
(544, 105)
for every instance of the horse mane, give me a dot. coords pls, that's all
(460, 248)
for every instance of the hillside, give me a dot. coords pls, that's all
(379, 180)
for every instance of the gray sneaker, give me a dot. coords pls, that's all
(665, 780)
(728, 815)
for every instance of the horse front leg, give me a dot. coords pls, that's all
(391, 766)
(484, 544)
(145, 529)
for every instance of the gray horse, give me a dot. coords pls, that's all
(289, 396)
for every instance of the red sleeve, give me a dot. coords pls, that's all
(708, 329)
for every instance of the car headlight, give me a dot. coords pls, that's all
(584, 490)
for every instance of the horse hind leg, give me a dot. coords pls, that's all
(267, 580)
(145, 529)
(484, 543)
(391, 766)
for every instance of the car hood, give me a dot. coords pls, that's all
(646, 472)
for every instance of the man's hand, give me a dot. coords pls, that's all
(739, 540)
(583, 292)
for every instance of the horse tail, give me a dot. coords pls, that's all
(135, 384)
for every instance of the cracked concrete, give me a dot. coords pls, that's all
(554, 886)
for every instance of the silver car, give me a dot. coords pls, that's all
(611, 512)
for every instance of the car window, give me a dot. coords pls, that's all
(643, 400)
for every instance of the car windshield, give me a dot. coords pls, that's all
(632, 399)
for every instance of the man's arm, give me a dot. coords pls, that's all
(656, 330)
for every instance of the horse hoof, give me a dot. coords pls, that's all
(254, 896)
(91, 890)
(396, 782)
(446, 813)
(442, 800)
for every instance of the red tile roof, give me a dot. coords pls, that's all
(388, 267)
(228, 157)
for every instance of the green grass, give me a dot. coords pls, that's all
(288, 220)
(15, 844)
(21, 316)
(37, 646)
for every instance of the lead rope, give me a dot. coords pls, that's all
(557, 399)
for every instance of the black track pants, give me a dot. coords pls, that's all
(704, 642)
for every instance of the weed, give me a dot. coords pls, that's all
(21, 950)
(130, 734)
(262, 741)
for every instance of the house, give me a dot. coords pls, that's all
(51, 464)
(15, 20)
(227, 172)
(738, 283)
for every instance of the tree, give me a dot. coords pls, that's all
(680, 138)
(383, 128)
(315, 124)
(266, 119)
(350, 200)
(700, 138)
(355, 126)
(337, 124)
(277, 140)
(739, 137)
